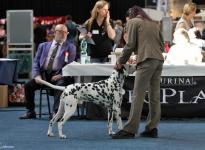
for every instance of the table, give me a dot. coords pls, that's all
(8, 71)
(97, 69)
(182, 86)
(94, 69)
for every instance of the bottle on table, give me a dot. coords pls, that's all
(83, 51)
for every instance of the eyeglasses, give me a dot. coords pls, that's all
(62, 32)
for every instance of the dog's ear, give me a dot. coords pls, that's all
(121, 70)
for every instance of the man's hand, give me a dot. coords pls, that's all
(56, 78)
(36, 79)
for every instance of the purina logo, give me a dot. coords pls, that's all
(181, 90)
(178, 81)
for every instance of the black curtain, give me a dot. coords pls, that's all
(79, 9)
(199, 2)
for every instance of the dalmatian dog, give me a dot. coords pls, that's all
(107, 93)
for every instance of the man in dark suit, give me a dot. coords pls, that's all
(51, 57)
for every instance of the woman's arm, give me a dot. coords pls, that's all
(110, 31)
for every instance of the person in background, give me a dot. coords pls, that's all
(2, 31)
(3, 44)
(119, 32)
(72, 29)
(145, 40)
(183, 52)
(100, 29)
(186, 21)
(50, 35)
(203, 34)
(195, 37)
(50, 58)
(125, 30)
(39, 34)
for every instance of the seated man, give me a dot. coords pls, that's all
(51, 57)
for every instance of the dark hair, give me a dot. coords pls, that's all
(203, 34)
(137, 11)
(127, 13)
(198, 34)
(68, 17)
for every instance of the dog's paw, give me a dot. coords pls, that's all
(111, 133)
(63, 136)
(50, 134)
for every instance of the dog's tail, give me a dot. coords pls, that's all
(61, 88)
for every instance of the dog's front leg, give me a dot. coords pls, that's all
(119, 119)
(110, 121)
(50, 128)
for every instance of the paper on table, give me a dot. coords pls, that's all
(90, 41)
(83, 30)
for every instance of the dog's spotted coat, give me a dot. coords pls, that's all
(107, 93)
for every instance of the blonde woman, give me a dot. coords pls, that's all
(186, 21)
(101, 31)
(103, 34)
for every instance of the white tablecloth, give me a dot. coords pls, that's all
(106, 70)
